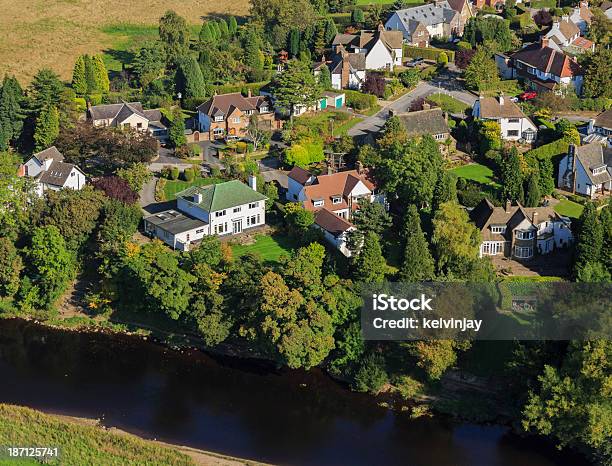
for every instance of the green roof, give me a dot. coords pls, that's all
(222, 196)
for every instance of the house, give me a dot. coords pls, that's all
(520, 232)
(230, 114)
(333, 198)
(606, 7)
(465, 10)
(431, 121)
(497, 4)
(564, 35)
(600, 129)
(586, 170)
(513, 123)
(420, 23)
(382, 49)
(545, 69)
(582, 16)
(348, 70)
(221, 209)
(128, 115)
(51, 172)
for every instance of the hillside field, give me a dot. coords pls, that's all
(52, 33)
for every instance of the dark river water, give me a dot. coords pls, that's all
(236, 407)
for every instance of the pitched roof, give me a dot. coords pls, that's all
(331, 222)
(456, 5)
(222, 104)
(490, 107)
(175, 222)
(57, 174)
(119, 111)
(592, 156)
(568, 28)
(428, 14)
(49, 153)
(326, 187)
(221, 196)
(367, 39)
(422, 122)
(357, 61)
(299, 174)
(605, 5)
(604, 119)
(583, 43)
(548, 60)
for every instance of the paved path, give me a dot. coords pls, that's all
(147, 193)
(374, 123)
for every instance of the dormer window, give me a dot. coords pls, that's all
(219, 118)
(524, 234)
(599, 170)
(336, 199)
(501, 229)
(318, 202)
(263, 109)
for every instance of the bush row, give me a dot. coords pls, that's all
(429, 53)
(549, 151)
(359, 100)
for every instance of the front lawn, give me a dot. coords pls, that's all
(569, 208)
(476, 172)
(507, 86)
(269, 248)
(176, 186)
(448, 103)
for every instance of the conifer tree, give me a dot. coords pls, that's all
(79, 80)
(12, 113)
(189, 78)
(325, 78)
(206, 35)
(176, 132)
(369, 264)
(445, 189)
(330, 30)
(223, 28)
(511, 177)
(47, 128)
(533, 192)
(546, 173)
(90, 75)
(589, 238)
(294, 42)
(252, 54)
(100, 74)
(232, 26)
(418, 263)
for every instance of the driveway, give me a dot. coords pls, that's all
(446, 83)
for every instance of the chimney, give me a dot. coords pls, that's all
(565, 18)
(501, 99)
(253, 182)
(381, 27)
(330, 169)
(508, 206)
(426, 106)
(543, 42)
(197, 198)
(534, 217)
(359, 167)
(391, 112)
(556, 24)
(249, 92)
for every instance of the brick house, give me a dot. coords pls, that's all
(229, 115)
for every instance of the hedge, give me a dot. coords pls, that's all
(359, 100)
(342, 19)
(243, 88)
(599, 104)
(429, 53)
(549, 151)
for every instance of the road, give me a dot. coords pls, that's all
(446, 85)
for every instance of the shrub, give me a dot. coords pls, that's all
(359, 100)
(196, 149)
(241, 147)
(160, 193)
(429, 53)
(442, 59)
(375, 84)
(189, 174)
(165, 172)
(95, 99)
(409, 78)
(428, 73)
(80, 103)
(116, 188)
(408, 387)
(174, 173)
(371, 374)
(463, 45)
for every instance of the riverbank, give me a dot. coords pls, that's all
(86, 441)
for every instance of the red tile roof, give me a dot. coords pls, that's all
(548, 60)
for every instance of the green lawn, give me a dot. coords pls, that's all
(507, 86)
(569, 208)
(476, 172)
(269, 248)
(175, 186)
(448, 103)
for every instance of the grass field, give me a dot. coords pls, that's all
(176, 186)
(569, 208)
(269, 248)
(80, 443)
(52, 33)
(476, 172)
(448, 103)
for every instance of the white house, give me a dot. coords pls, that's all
(564, 35)
(383, 49)
(221, 209)
(520, 232)
(587, 170)
(348, 70)
(128, 115)
(512, 121)
(439, 19)
(600, 129)
(582, 16)
(333, 198)
(51, 172)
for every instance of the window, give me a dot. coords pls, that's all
(126, 126)
(221, 213)
(529, 135)
(218, 131)
(524, 234)
(492, 248)
(188, 237)
(438, 137)
(139, 125)
(254, 205)
(221, 228)
(248, 112)
(523, 253)
(201, 230)
(318, 203)
(252, 220)
(237, 209)
(513, 132)
(236, 120)
(336, 200)
(598, 170)
(498, 229)
(513, 120)
(263, 109)
(219, 118)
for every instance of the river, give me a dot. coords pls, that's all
(239, 408)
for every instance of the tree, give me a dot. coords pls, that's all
(252, 51)
(256, 135)
(149, 63)
(511, 178)
(102, 83)
(271, 192)
(232, 26)
(136, 175)
(369, 265)
(12, 113)
(410, 78)
(325, 81)
(11, 266)
(489, 29)
(174, 34)
(543, 18)
(189, 78)
(206, 34)
(295, 86)
(463, 58)
(589, 237)
(297, 217)
(330, 30)
(371, 375)
(455, 239)
(46, 90)
(294, 42)
(592, 272)
(116, 188)
(223, 28)
(442, 59)
(51, 263)
(481, 74)
(435, 356)
(418, 265)
(79, 80)
(445, 189)
(546, 172)
(374, 84)
(357, 16)
(600, 29)
(47, 128)
(176, 132)
(598, 69)
(532, 199)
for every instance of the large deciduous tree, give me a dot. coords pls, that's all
(174, 34)
(481, 74)
(295, 86)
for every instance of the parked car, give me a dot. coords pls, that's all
(415, 61)
(528, 95)
(230, 138)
